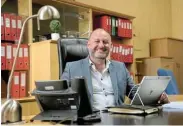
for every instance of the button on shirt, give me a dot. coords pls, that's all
(103, 94)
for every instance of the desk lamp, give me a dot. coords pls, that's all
(11, 110)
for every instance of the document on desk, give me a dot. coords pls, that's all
(174, 105)
(133, 109)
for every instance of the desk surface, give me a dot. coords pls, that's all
(166, 117)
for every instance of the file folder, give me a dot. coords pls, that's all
(131, 54)
(3, 56)
(116, 27)
(117, 52)
(13, 27)
(127, 53)
(122, 33)
(22, 84)
(20, 58)
(124, 53)
(127, 29)
(130, 34)
(14, 46)
(9, 57)
(7, 28)
(104, 22)
(2, 27)
(119, 27)
(109, 25)
(113, 26)
(15, 92)
(25, 57)
(120, 53)
(124, 28)
(113, 52)
(19, 26)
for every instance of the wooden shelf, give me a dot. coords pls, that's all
(21, 100)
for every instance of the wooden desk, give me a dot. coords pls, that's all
(173, 117)
(166, 117)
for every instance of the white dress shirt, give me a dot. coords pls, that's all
(103, 94)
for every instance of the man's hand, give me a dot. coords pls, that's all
(163, 98)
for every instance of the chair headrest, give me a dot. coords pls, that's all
(72, 49)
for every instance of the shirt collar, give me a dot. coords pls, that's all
(106, 66)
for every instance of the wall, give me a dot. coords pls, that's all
(177, 18)
(153, 19)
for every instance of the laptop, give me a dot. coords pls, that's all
(150, 90)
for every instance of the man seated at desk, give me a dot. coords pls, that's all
(108, 81)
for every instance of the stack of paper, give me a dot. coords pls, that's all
(174, 105)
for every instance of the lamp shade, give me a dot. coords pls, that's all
(48, 12)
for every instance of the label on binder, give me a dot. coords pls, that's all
(8, 52)
(7, 20)
(19, 24)
(2, 21)
(2, 51)
(16, 80)
(22, 79)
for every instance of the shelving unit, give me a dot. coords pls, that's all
(116, 39)
(10, 34)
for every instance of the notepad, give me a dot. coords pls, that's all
(134, 109)
(174, 105)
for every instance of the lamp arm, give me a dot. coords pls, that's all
(15, 59)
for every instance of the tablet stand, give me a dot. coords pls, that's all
(136, 94)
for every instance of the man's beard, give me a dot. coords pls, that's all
(99, 56)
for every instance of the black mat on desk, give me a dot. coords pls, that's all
(56, 115)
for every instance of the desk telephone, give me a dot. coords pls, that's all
(58, 102)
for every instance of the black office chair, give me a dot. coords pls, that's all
(71, 49)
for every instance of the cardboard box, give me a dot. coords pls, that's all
(150, 65)
(170, 47)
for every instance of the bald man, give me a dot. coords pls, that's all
(108, 81)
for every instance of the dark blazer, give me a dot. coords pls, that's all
(120, 77)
